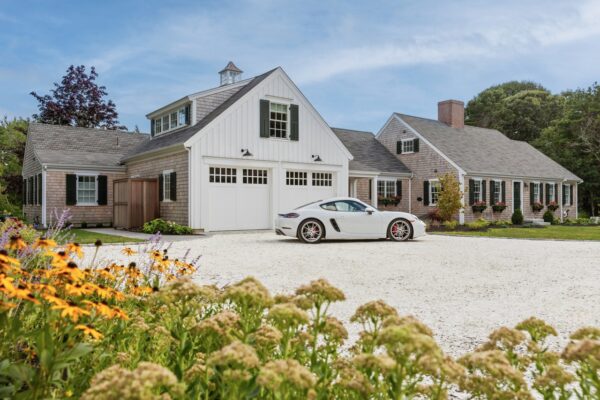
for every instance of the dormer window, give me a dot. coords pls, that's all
(278, 120)
(172, 120)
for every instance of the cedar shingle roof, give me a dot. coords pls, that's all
(487, 151)
(369, 154)
(85, 147)
(181, 136)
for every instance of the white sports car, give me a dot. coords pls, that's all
(347, 218)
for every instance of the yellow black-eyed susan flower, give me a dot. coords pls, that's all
(16, 242)
(75, 248)
(71, 310)
(90, 331)
(44, 243)
(128, 251)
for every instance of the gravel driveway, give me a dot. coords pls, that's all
(461, 287)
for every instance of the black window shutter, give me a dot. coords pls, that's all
(102, 190)
(416, 145)
(173, 188)
(160, 187)
(556, 192)
(188, 112)
(471, 192)
(152, 127)
(492, 190)
(24, 191)
(399, 188)
(426, 193)
(547, 193)
(542, 193)
(503, 188)
(40, 189)
(564, 195)
(35, 185)
(370, 189)
(483, 191)
(531, 187)
(571, 194)
(294, 127)
(31, 191)
(71, 189)
(399, 147)
(264, 118)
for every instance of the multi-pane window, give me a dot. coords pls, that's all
(170, 121)
(296, 178)
(477, 193)
(386, 188)
(434, 192)
(166, 185)
(86, 189)
(278, 120)
(254, 176)
(322, 178)
(408, 146)
(497, 194)
(222, 175)
(551, 193)
(536, 192)
(567, 194)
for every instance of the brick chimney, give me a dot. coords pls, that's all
(452, 112)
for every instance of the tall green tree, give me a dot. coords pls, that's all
(12, 147)
(573, 140)
(520, 110)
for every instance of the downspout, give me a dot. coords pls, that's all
(412, 175)
(44, 168)
(461, 212)
(189, 194)
(560, 198)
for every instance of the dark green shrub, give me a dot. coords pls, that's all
(548, 216)
(99, 225)
(84, 225)
(166, 227)
(517, 217)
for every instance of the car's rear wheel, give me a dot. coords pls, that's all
(400, 230)
(311, 231)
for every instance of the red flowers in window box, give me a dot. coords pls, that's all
(537, 206)
(479, 206)
(499, 206)
(389, 201)
(552, 206)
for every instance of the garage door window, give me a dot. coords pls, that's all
(254, 176)
(321, 179)
(222, 175)
(296, 178)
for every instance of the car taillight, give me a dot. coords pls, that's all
(289, 215)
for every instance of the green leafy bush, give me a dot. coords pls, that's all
(478, 224)
(517, 217)
(450, 225)
(166, 227)
(502, 223)
(548, 216)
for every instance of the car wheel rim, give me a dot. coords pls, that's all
(400, 230)
(311, 231)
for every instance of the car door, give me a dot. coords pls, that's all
(353, 220)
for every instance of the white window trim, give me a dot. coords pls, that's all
(167, 114)
(297, 179)
(480, 198)
(406, 141)
(538, 199)
(499, 185)
(431, 203)
(567, 190)
(385, 181)
(553, 193)
(165, 189)
(78, 203)
(287, 104)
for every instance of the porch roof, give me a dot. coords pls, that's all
(371, 157)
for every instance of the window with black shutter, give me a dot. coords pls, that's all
(71, 195)
(102, 190)
(40, 189)
(173, 186)
(426, 193)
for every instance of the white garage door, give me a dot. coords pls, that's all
(303, 187)
(239, 198)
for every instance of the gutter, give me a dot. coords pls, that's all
(475, 173)
(76, 167)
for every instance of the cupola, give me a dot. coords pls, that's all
(230, 74)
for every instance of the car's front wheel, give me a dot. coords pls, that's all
(400, 230)
(311, 231)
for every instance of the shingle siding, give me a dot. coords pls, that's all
(176, 211)
(206, 104)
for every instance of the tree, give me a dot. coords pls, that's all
(520, 110)
(573, 140)
(78, 101)
(12, 147)
(449, 198)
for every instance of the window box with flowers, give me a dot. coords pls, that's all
(499, 206)
(389, 201)
(552, 206)
(479, 206)
(537, 206)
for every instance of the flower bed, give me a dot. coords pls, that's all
(144, 330)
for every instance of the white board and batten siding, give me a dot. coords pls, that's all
(218, 206)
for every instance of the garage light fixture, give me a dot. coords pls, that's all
(316, 158)
(246, 153)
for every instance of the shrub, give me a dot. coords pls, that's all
(140, 328)
(450, 225)
(166, 227)
(449, 199)
(99, 225)
(84, 225)
(548, 216)
(517, 217)
(502, 223)
(478, 224)
(434, 215)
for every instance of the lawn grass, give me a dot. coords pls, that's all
(561, 232)
(86, 237)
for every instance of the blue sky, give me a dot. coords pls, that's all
(356, 61)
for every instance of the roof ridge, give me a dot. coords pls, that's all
(89, 129)
(352, 130)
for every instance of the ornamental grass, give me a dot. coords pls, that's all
(143, 329)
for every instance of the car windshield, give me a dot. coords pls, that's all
(308, 204)
(343, 205)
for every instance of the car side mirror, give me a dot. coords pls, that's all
(369, 210)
